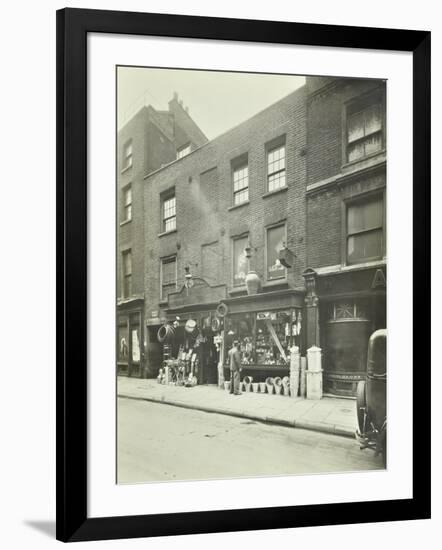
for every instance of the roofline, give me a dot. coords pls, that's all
(297, 90)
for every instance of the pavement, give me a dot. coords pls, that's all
(328, 415)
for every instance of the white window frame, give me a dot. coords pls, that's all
(280, 143)
(237, 165)
(165, 197)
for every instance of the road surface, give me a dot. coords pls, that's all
(158, 442)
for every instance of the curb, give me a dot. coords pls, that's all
(296, 423)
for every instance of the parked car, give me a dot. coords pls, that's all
(371, 398)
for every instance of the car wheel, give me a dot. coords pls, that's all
(361, 403)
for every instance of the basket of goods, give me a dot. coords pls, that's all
(255, 387)
(262, 387)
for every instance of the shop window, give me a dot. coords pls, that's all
(365, 128)
(240, 261)
(127, 203)
(265, 337)
(127, 273)
(276, 237)
(347, 310)
(183, 151)
(168, 209)
(123, 340)
(276, 177)
(365, 232)
(240, 176)
(127, 154)
(168, 276)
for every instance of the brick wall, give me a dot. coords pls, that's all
(154, 144)
(326, 102)
(325, 106)
(206, 222)
(130, 235)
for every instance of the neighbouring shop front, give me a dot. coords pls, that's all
(130, 337)
(352, 305)
(266, 325)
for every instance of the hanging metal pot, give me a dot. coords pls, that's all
(165, 333)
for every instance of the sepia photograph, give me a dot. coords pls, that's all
(251, 274)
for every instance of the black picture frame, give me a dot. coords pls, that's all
(73, 25)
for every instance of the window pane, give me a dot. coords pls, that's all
(170, 224)
(373, 119)
(129, 212)
(128, 196)
(123, 343)
(183, 151)
(364, 246)
(169, 207)
(241, 178)
(355, 126)
(276, 181)
(127, 285)
(240, 262)
(276, 160)
(373, 143)
(356, 151)
(169, 271)
(127, 263)
(364, 216)
(275, 239)
(241, 196)
(167, 289)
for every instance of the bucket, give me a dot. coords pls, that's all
(262, 387)
(255, 387)
(227, 385)
(286, 385)
(247, 382)
(278, 390)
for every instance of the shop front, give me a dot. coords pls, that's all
(352, 306)
(130, 357)
(266, 325)
(190, 351)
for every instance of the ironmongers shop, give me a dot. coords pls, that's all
(266, 325)
(351, 305)
(189, 335)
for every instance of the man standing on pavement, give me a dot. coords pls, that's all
(235, 368)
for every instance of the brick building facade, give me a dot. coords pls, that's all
(346, 224)
(149, 140)
(244, 189)
(291, 200)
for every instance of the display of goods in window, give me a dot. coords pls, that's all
(265, 337)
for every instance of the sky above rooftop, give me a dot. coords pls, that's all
(217, 101)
